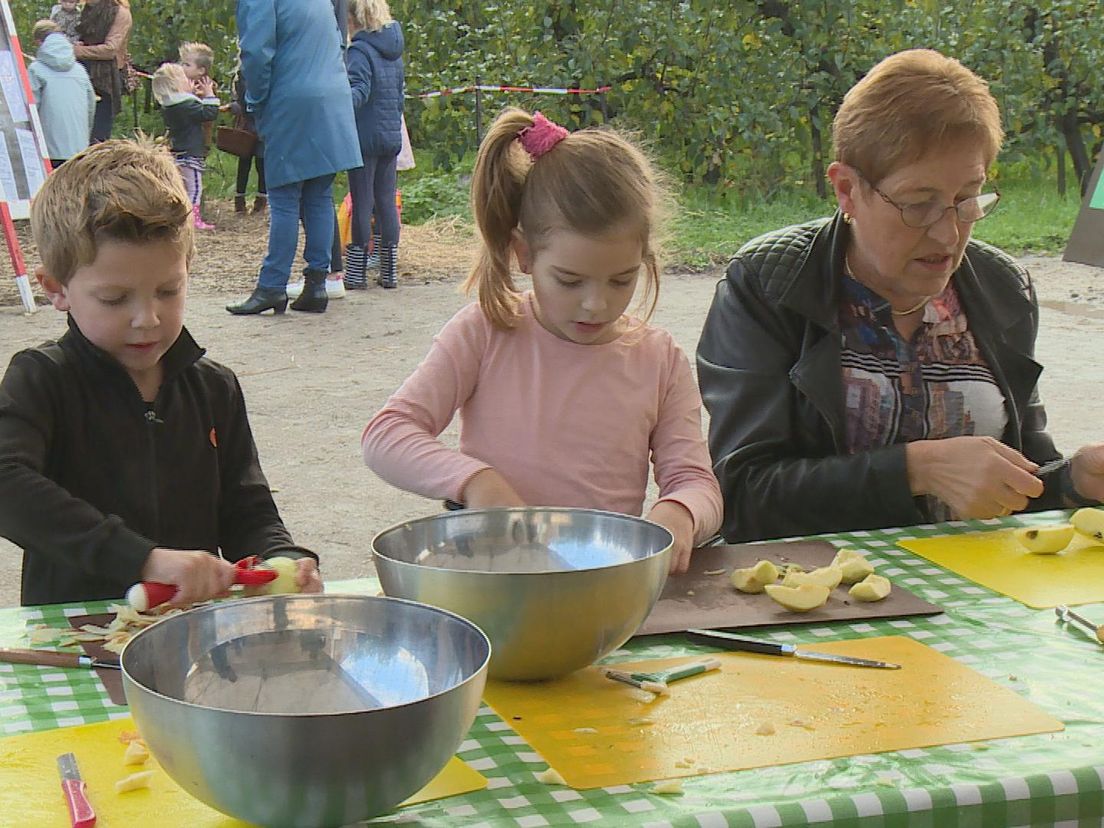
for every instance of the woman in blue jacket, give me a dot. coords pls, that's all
(298, 94)
(375, 64)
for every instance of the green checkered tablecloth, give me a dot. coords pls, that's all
(1035, 780)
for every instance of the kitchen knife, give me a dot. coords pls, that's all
(81, 814)
(49, 658)
(728, 641)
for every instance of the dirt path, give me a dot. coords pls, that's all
(312, 382)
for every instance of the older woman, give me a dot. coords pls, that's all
(104, 30)
(875, 369)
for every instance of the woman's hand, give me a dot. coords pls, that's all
(487, 489)
(1087, 472)
(306, 575)
(197, 575)
(977, 477)
(676, 519)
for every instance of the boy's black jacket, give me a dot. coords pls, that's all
(92, 477)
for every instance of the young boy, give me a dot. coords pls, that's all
(63, 93)
(125, 454)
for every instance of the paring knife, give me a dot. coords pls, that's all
(728, 641)
(49, 658)
(81, 814)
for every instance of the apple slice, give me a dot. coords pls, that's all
(752, 579)
(871, 588)
(854, 566)
(799, 598)
(1044, 540)
(828, 576)
(1089, 522)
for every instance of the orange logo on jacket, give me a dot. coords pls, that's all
(213, 437)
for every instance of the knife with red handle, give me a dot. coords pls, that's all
(81, 814)
(252, 571)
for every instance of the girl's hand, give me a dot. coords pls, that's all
(977, 477)
(1087, 471)
(307, 577)
(197, 575)
(676, 519)
(204, 87)
(487, 489)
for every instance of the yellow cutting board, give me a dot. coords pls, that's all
(30, 790)
(760, 710)
(997, 560)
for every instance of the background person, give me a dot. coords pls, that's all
(62, 92)
(104, 30)
(298, 93)
(875, 369)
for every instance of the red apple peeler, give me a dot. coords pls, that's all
(251, 571)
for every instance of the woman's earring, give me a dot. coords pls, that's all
(847, 219)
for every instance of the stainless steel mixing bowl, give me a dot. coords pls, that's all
(554, 589)
(305, 710)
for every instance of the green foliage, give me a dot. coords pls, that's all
(734, 96)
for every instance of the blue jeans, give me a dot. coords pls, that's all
(315, 197)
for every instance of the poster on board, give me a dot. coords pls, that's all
(23, 160)
(1086, 242)
(24, 167)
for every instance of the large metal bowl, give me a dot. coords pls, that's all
(305, 710)
(554, 589)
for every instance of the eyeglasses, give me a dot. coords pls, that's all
(928, 213)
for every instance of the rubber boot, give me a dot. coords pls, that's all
(313, 299)
(371, 261)
(354, 268)
(262, 299)
(239, 203)
(200, 224)
(389, 267)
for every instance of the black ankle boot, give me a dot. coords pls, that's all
(239, 203)
(262, 299)
(313, 299)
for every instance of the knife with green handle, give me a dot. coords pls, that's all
(729, 641)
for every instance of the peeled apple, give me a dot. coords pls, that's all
(1089, 522)
(829, 576)
(799, 598)
(753, 578)
(282, 584)
(853, 565)
(1044, 540)
(871, 588)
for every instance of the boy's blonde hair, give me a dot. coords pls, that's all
(122, 191)
(166, 81)
(42, 28)
(910, 104)
(201, 54)
(591, 182)
(372, 15)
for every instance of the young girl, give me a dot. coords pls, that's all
(563, 399)
(375, 66)
(184, 115)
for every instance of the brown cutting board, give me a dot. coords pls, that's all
(760, 710)
(698, 600)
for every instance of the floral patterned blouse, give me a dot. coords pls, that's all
(935, 385)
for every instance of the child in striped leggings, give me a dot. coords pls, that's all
(185, 113)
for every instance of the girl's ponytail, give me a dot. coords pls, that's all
(497, 184)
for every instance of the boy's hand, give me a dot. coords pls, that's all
(306, 575)
(676, 519)
(197, 575)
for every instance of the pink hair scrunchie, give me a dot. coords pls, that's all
(542, 136)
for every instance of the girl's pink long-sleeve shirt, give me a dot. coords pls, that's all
(566, 424)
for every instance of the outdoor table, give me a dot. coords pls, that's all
(1035, 780)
